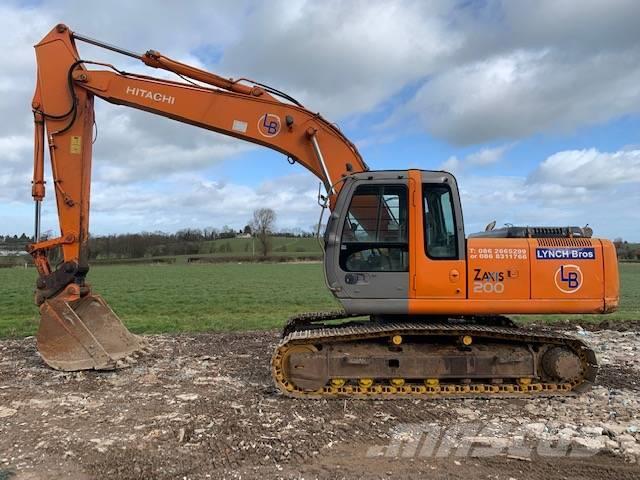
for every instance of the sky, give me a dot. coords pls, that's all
(534, 106)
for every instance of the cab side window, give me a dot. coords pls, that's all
(374, 235)
(439, 222)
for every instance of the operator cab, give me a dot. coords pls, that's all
(376, 218)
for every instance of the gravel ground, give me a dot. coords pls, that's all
(203, 406)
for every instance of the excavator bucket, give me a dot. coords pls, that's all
(84, 334)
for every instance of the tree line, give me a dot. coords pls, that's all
(626, 250)
(188, 241)
(193, 241)
(15, 239)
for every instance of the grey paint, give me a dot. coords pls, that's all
(370, 285)
(376, 306)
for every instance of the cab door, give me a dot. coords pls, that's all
(367, 243)
(438, 268)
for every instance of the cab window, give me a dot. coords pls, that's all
(439, 222)
(374, 235)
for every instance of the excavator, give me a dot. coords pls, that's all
(423, 304)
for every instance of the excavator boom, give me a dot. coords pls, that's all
(78, 330)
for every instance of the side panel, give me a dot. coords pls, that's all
(498, 268)
(554, 275)
(566, 269)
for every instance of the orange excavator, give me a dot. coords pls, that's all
(423, 304)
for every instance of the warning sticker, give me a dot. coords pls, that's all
(239, 126)
(76, 144)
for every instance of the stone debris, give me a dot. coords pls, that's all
(205, 403)
(188, 397)
(7, 412)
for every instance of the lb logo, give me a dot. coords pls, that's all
(269, 125)
(568, 278)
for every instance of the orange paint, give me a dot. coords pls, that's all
(504, 276)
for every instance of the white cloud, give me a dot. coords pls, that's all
(481, 158)
(135, 146)
(190, 200)
(513, 200)
(451, 164)
(186, 200)
(517, 94)
(343, 58)
(567, 188)
(529, 67)
(487, 156)
(589, 169)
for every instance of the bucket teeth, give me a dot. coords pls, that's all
(83, 335)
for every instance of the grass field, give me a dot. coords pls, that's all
(170, 298)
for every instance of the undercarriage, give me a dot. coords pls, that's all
(427, 357)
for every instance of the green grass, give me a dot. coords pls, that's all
(170, 298)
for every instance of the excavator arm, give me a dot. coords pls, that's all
(63, 112)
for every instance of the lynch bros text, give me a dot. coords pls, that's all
(155, 96)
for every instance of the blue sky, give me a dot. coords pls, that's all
(535, 108)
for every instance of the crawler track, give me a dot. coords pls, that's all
(310, 343)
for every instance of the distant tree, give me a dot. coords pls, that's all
(190, 235)
(211, 233)
(247, 230)
(227, 232)
(262, 225)
(314, 229)
(624, 249)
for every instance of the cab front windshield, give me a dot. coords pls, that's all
(374, 236)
